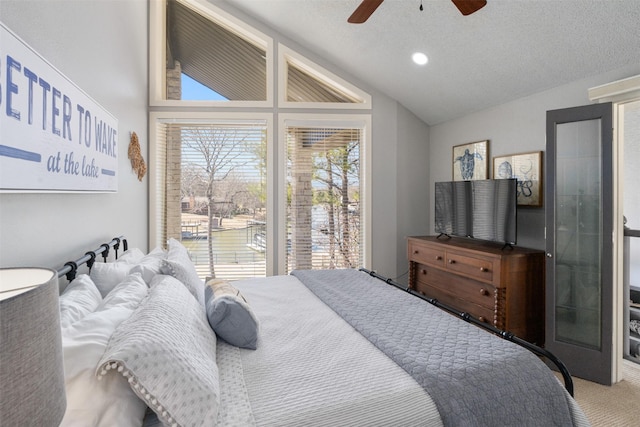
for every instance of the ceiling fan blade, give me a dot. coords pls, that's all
(364, 11)
(467, 7)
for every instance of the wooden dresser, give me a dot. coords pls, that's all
(504, 287)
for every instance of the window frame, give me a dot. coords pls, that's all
(157, 173)
(362, 121)
(158, 57)
(286, 55)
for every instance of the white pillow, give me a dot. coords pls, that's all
(148, 267)
(127, 294)
(131, 256)
(159, 252)
(100, 403)
(106, 275)
(79, 298)
(179, 265)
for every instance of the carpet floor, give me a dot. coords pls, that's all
(615, 406)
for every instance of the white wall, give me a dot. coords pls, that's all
(101, 46)
(516, 127)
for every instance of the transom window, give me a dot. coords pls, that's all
(201, 51)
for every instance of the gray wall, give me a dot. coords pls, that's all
(516, 127)
(101, 46)
(413, 186)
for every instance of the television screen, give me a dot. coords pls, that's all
(483, 209)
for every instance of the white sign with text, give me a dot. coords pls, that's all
(53, 136)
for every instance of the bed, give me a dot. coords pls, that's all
(147, 342)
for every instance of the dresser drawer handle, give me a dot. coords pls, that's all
(423, 271)
(483, 291)
(482, 319)
(484, 269)
(438, 257)
(452, 261)
(415, 251)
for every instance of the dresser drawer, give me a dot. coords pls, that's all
(479, 293)
(477, 267)
(481, 313)
(503, 286)
(425, 255)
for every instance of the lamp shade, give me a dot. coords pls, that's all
(31, 366)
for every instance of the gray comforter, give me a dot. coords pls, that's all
(475, 378)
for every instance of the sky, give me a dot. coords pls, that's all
(194, 91)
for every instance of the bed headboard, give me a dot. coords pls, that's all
(71, 267)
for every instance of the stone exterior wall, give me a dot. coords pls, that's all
(173, 210)
(174, 78)
(301, 203)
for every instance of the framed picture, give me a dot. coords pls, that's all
(470, 161)
(527, 169)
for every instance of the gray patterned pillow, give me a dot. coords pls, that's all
(167, 351)
(179, 265)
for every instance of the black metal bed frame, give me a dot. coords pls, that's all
(568, 381)
(70, 268)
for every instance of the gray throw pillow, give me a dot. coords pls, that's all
(229, 314)
(179, 265)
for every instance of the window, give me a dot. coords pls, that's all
(207, 57)
(217, 180)
(214, 193)
(223, 61)
(302, 87)
(324, 195)
(306, 85)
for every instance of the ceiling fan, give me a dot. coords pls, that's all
(367, 7)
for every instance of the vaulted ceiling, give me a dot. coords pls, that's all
(506, 50)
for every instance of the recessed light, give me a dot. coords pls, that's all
(420, 58)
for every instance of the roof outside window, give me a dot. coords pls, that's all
(214, 56)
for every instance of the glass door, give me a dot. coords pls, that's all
(579, 203)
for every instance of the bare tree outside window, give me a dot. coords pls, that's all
(222, 178)
(338, 169)
(324, 198)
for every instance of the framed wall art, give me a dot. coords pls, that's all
(470, 161)
(527, 169)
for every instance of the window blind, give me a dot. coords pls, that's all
(323, 198)
(215, 186)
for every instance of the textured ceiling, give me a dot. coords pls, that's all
(507, 50)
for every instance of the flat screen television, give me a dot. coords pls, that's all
(481, 209)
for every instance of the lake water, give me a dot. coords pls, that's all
(229, 247)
